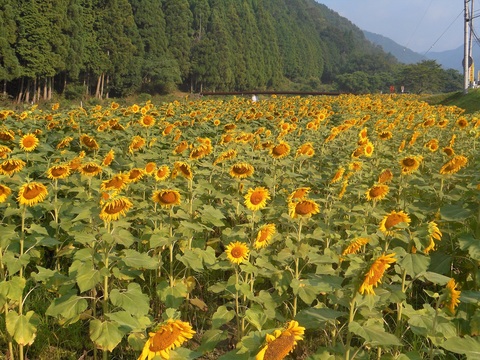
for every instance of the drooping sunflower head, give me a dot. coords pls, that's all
(116, 183)
(167, 198)
(306, 150)
(4, 151)
(32, 193)
(374, 273)
(299, 194)
(136, 144)
(264, 235)
(89, 142)
(451, 296)
(7, 135)
(448, 151)
(5, 191)
(256, 199)
(64, 142)
(454, 165)
(377, 192)
(112, 209)
(434, 234)
(107, 160)
(237, 252)
(281, 342)
(183, 169)
(90, 169)
(391, 220)
(226, 155)
(11, 166)
(280, 151)
(29, 142)
(303, 209)
(385, 177)
(58, 172)
(241, 170)
(385, 135)
(410, 164)
(135, 175)
(355, 245)
(181, 147)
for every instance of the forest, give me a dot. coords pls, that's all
(115, 48)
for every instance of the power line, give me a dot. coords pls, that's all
(418, 24)
(443, 33)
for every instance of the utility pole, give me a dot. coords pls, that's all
(467, 56)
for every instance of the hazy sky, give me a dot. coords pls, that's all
(415, 24)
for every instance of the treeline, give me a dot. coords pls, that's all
(108, 48)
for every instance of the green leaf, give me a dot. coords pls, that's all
(172, 296)
(8, 234)
(211, 215)
(222, 316)
(314, 318)
(13, 288)
(136, 260)
(468, 242)
(87, 277)
(184, 354)
(128, 322)
(106, 335)
(374, 334)
(132, 300)
(414, 264)
(123, 237)
(210, 339)
(455, 212)
(435, 278)
(256, 317)
(192, 259)
(23, 328)
(467, 346)
(67, 307)
(13, 263)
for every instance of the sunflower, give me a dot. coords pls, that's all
(11, 166)
(136, 144)
(4, 151)
(226, 155)
(385, 135)
(118, 182)
(200, 152)
(432, 145)
(112, 209)
(7, 135)
(391, 220)
(280, 151)
(107, 160)
(168, 129)
(237, 252)
(281, 342)
(375, 273)
(162, 173)
(462, 123)
(454, 165)
(150, 168)
(264, 235)
(306, 150)
(58, 172)
(241, 170)
(256, 199)
(90, 169)
(4, 192)
(147, 121)
(451, 296)
(434, 233)
(355, 245)
(32, 193)
(29, 142)
(410, 164)
(304, 208)
(377, 192)
(385, 177)
(167, 198)
(135, 175)
(448, 150)
(338, 175)
(402, 146)
(168, 336)
(368, 149)
(89, 142)
(299, 194)
(183, 169)
(65, 142)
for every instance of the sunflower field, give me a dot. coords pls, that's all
(291, 227)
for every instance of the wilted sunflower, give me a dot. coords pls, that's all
(90, 169)
(183, 169)
(112, 209)
(11, 166)
(32, 193)
(4, 192)
(136, 144)
(167, 198)
(264, 235)
(355, 245)
(299, 194)
(241, 170)
(118, 182)
(280, 151)
(374, 275)
(89, 142)
(256, 199)
(377, 192)
(434, 233)
(58, 172)
(226, 155)
(168, 336)
(29, 142)
(281, 342)
(454, 165)
(303, 208)
(107, 160)
(162, 173)
(237, 252)
(65, 142)
(410, 164)
(451, 296)
(391, 220)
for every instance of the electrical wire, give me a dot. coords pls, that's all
(418, 24)
(449, 26)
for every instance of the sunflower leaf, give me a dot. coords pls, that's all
(136, 260)
(374, 334)
(467, 346)
(414, 264)
(67, 307)
(222, 316)
(22, 328)
(131, 300)
(211, 215)
(106, 335)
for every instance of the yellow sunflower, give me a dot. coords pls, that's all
(385, 135)
(451, 296)
(107, 160)
(385, 177)
(65, 142)
(112, 209)
(7, 135)
(410, 164)
(299, 194)
(118, 182)
(264, 235)
(29, 142)
(58, 172)
(237, 252)
(374, 275)
(90, 169)
(391, 220)
(167, 198)
(227, 155)
(434, 233)
(11, 166)
(89, 142)
(135, 175)
(4, 151)
(168, 336)
(304, 208)
(162, 173)
(281, 342)
(447, 150)
(147, 121)
(183, 169)
(454, 165)
(256, 199)
(4, 192)
(338, 175)
(368, 149)
(136, 144)
(200, 152)
(150, 168)
(32, 193)
(306, 150)
(241, 170)
(280, 151)
(377, 192)
(354, 246)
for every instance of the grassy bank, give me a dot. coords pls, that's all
(470, 102)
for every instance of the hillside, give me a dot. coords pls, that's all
(401, 53)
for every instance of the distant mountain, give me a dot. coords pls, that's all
(452, 59)
(401, 53)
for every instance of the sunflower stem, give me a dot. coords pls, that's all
(297, 264)
(20, 301)
(349, 333)
(240, 324)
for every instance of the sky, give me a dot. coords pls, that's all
(420, 25)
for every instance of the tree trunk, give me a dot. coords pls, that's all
(45, 88)
(50, 88)
(107, 94)
(27, 91)
(20, 93)
(99, 84)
